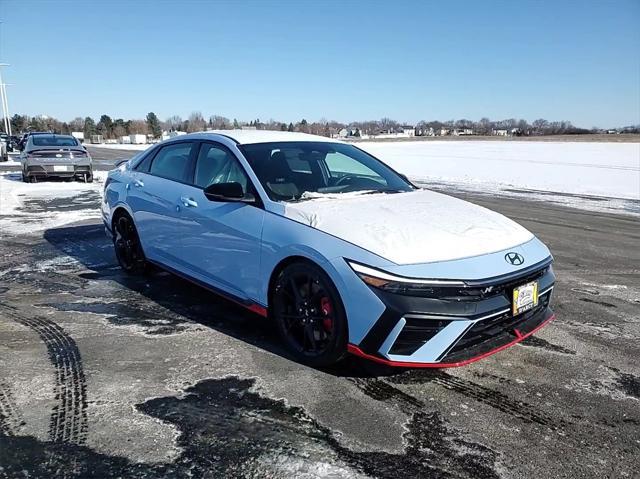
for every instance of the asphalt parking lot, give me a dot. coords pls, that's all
(104, 375)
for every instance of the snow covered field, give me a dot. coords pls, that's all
(600, 169)
(592, 176)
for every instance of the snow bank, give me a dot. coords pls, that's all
(600, 169)
(118, 146)
(33, 207)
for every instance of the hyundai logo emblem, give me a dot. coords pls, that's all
(514, 258)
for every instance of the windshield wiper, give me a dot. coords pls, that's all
(384, 190)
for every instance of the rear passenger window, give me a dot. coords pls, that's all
(172, 162)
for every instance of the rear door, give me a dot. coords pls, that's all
(154, 194)
(222, 242)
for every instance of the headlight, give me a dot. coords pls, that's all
(407, 286)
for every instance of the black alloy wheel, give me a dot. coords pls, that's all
(127, 245)
(309, 315)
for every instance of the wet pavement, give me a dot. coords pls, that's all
(105, 375)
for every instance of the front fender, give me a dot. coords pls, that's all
(284, 238)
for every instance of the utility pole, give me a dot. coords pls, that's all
(5, 103)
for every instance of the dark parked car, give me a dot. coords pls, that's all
(49, 155)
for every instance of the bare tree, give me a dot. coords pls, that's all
(218, 122)
(77, 124)
(196, 122)
(173, 123)
(484, 126)
(138, 127)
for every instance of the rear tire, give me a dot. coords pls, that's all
(127, 245)
(309, 315)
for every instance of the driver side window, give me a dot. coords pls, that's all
(215, 164)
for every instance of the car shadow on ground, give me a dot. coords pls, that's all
(171, 304)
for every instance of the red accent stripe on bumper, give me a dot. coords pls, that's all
(256, 308)
(353, 349)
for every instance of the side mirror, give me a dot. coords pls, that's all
(404, 177)
(231, 191)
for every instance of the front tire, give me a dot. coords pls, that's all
(127, 246)
(309, 315)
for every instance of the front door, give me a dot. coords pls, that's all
(222, 243)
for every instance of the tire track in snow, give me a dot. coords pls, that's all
(10, 419)
(68, 421)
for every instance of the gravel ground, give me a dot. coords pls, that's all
(104, 375)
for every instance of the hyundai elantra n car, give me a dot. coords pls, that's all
(339, 251)
(47, 155)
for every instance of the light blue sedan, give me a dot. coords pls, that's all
(341, 252)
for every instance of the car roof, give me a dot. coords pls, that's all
(248, 137)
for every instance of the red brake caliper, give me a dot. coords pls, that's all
(327, 311)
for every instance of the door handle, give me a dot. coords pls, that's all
(188, 202)
(138, 183)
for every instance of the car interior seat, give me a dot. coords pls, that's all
(280, 178)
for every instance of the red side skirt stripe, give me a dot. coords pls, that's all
(256, 308)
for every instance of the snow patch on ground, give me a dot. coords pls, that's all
(27, 208)
(11, 163)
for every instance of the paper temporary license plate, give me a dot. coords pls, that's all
(62, 168)
(525, 297)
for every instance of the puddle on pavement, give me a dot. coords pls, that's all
(227, 429)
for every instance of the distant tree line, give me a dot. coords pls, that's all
(115, 128)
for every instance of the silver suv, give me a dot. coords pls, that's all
(50, 155)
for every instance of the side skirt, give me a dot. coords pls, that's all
(247, 304)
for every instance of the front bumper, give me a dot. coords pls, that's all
(446, 332)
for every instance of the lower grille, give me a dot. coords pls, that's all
(487, 329)
(415, 333)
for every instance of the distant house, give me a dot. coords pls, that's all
(405, 131)
(245, 127)
(349, 133)
(462, 132)
(171, 134)
(445, 131)
(138, 139)
(425, 131)
(500, 132)
(408, 130)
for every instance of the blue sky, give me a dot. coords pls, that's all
(356, 60)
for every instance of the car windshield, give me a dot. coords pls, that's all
(296, 171)
(53, 140)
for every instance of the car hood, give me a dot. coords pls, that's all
(414, 227)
